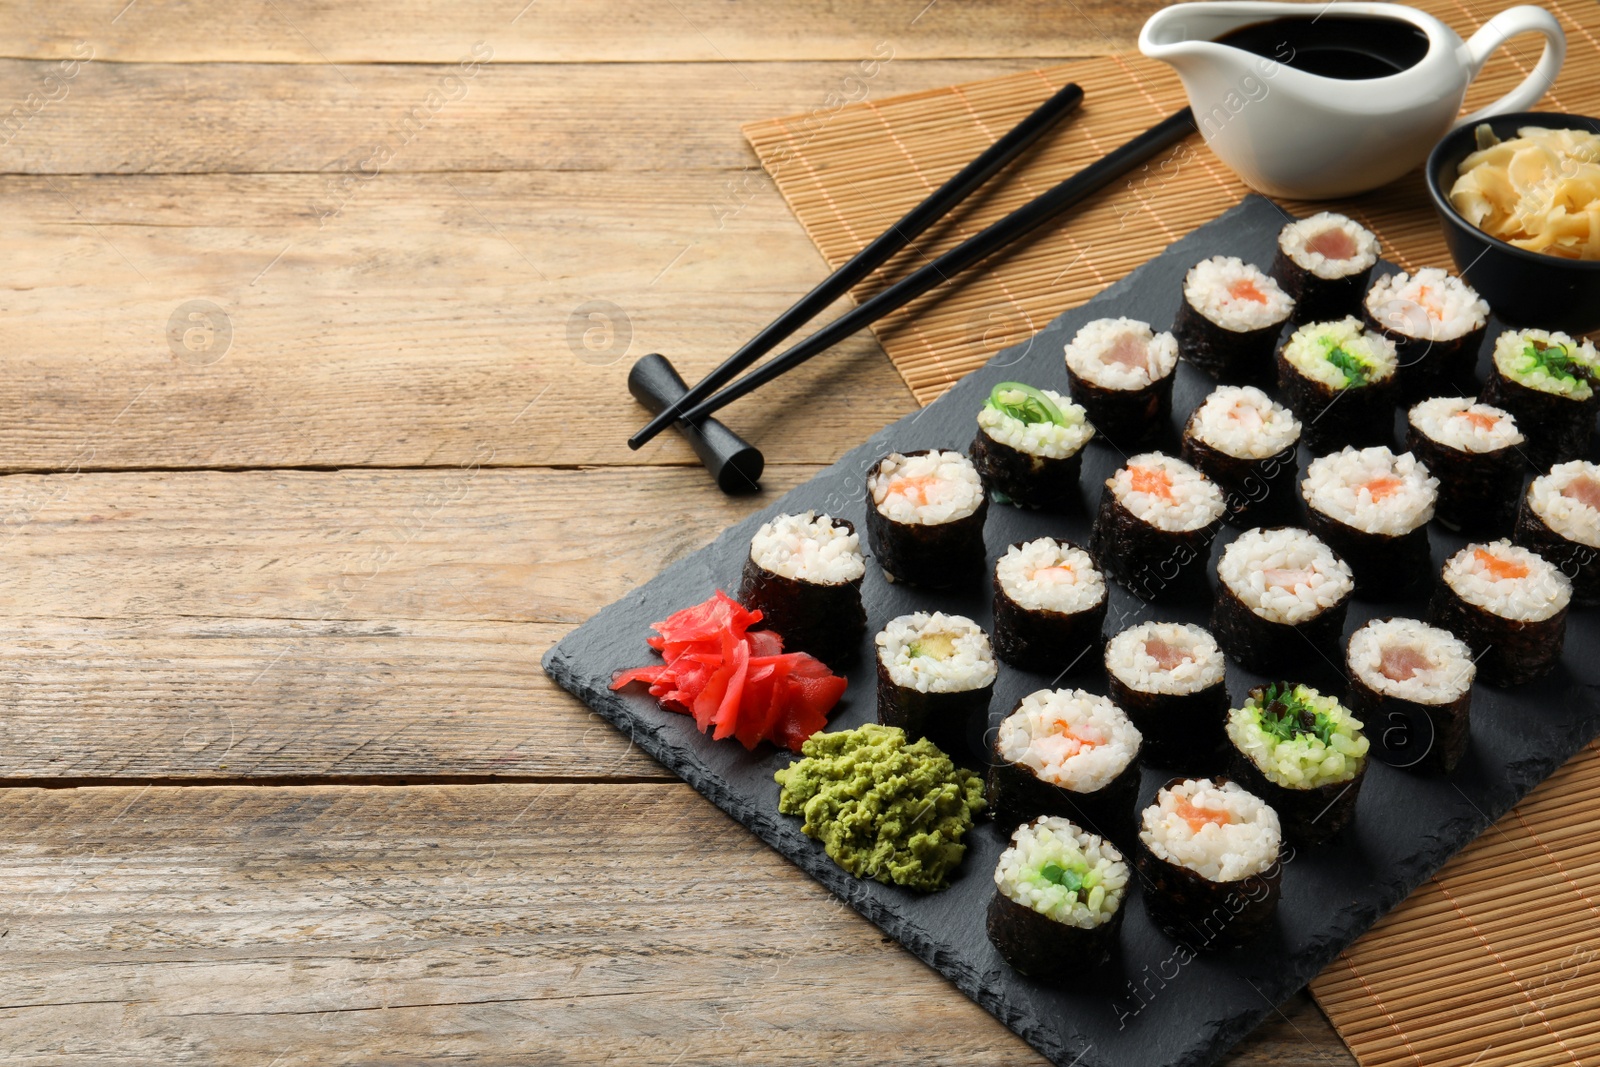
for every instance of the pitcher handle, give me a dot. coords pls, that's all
(1498, 30)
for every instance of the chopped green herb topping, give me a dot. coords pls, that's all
(1285, 714)
(1355, 369)
(1557, 361)
(1025, 404)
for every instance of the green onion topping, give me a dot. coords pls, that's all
(1355, 370)
(1284, 715)
(1558, 362)
(1025, 404)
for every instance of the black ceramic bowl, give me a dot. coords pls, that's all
(1524, 288)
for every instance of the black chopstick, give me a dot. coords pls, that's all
(870, 258)
(975, 248)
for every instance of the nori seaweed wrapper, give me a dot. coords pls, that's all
(1045, 950)
(1409, 734)
(1507, 652)
(936, 556)
(1126, 417)
(1318, 299)
(1185, 732)
(1386, 567)
(1044, 641)
(1258, 492)
(1477, 490)
(1579, 562)
(1361, 415)
(955, 722)
(1151, 563)
(1266, 647)
(1229, 356)
(1028, 481)
(1558, 428)
(824, 619)
(1207, 915)
(1432, 368)
(1016, 795)
(1309, 816)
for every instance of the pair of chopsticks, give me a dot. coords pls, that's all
(699, 402)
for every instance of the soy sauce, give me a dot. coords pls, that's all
(1349, 47)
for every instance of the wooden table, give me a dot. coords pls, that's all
(313, 439)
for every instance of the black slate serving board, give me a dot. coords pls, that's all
(1155, 1005)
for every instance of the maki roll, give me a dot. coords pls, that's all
(1323, 263)
(1283, 594)
(1509, 604)
(1475, 451)
(1551, 383)
(1168, 678)
(1340, 380)
(804, 575)
(1560, 520)
(1029, 446)
(1209, 855)
(935, 677)
(1121, 372)
(1057, 906)
(1049, 605)
(1372, 507)
(925, 513)
(1303, 753)
(1070, 753)
(1155, 524)
(1415, 682)
(1437, 323)
(1229, 320)
(1245, 442)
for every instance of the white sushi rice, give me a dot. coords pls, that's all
(1304, 760)
(1050, 575)
(1172, 495)
(1165, 657)
(1121, 354)
(1242, 839)
(929, 489)
(808, 547)
(1512, 361)
(1465, 425)
(1215, 288)
(1052, 840)
(1564, 500)
(1372, 490)
(1530, 597)
(1295, 238)
(1411, 660)
(1243, 422)
(1431, 305)
(1051, 440)
(1069, 737)
(1284, 575)
(1312, 348)
(936, 653)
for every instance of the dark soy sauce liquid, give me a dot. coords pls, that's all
(1350, 47)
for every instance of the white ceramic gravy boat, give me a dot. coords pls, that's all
(1291, 133)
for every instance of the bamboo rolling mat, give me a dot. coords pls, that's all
(1493, 962)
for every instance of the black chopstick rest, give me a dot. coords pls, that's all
(733, 462)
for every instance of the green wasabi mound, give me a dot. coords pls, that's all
(883, 808)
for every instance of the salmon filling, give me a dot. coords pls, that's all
(1500, 569)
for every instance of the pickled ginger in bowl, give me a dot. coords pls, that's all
(1539, 190)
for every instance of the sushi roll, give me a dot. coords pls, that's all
(1210, 857)
(1340, 380)
(1057, 907)
(1560, 520)
(1283, 595)
(1168, 678)
(1551, 383)
(925, 513)
(1509, 604)
(1414, 682)
(1029, 446)
(1049, 605)
(1154, 528)
(1070, 753)
(935, 677)
(1229, 320)
(1303, 753)
(804, 575)
(1245, 442)
(1476, 452)
(1437, 323)
(1372, 507)
(1323, 263)
(1121, 372)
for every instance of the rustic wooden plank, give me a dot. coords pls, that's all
(501, 924)
(438, 31)
(405, 325)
